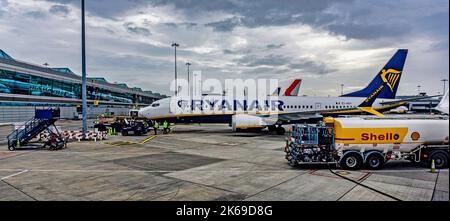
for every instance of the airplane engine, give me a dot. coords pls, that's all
(247, 122)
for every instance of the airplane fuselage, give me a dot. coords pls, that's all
(220, 109)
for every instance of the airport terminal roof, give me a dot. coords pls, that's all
(64, 71)
(4, 55)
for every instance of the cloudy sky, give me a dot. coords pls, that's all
(324, 42)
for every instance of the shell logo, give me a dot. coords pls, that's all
(415, 135)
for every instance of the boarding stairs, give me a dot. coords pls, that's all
(42, 120)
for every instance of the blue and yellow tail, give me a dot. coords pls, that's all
(386, 82)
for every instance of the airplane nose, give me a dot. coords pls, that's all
(141, 113)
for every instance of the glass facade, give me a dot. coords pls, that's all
(20, 83)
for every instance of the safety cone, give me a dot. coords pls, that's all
(433, 167)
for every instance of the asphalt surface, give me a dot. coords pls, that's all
(197, 162)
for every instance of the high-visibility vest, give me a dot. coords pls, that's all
(156, 125)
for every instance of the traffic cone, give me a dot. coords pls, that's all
(433, 167)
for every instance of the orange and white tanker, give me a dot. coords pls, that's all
(389, 134)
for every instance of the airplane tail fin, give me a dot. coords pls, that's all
(386, 82)
(293, 89)
(276, 92)
(443, 105)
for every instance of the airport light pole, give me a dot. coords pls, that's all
(418, 89)
(175, 45)
(83, 71)
(342, 89)
(444, 80)
(189, 85)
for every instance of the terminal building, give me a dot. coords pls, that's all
(25, 87)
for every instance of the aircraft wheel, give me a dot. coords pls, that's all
(280, 130)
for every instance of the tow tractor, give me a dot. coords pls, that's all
(370, 141)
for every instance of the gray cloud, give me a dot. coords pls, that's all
(312, 67)
(274, 46)
(35, 14)
(268, 60)
(225, 25)
(236, 52)
(59, 9)
(134, 29)
(372, 30)
(187, 25)
(366, 31)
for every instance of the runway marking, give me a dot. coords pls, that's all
(15, 174)
(148, 139)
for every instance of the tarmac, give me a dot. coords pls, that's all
(198, 162)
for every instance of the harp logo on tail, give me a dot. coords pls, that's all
(390, 77)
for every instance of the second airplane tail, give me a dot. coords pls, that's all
(386, 82)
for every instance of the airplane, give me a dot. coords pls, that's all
(443, 104)
(293, 89)
(244, 114)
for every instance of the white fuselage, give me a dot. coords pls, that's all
(212, 106)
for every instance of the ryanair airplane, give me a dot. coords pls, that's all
(274, 111)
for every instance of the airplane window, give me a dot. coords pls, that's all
(311, 106)
(155, 105)
(303, 106)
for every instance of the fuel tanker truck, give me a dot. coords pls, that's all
(370, 142)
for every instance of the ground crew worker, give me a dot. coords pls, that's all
(156, 127)
(166, 127)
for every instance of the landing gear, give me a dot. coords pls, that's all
(280, 130)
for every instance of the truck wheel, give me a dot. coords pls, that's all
(374, 161)
(351, 161)
(11, 148)
(281, 130)
(440, 160)
(272, 128)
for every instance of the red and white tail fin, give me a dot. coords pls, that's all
(293, 89)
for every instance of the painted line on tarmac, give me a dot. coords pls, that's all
(15, 174)
(146, 171)
(149, 139)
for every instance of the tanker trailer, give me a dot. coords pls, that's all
(370, 141)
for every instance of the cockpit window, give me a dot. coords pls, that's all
(155, 105)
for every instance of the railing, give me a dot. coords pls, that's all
(31, 128)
